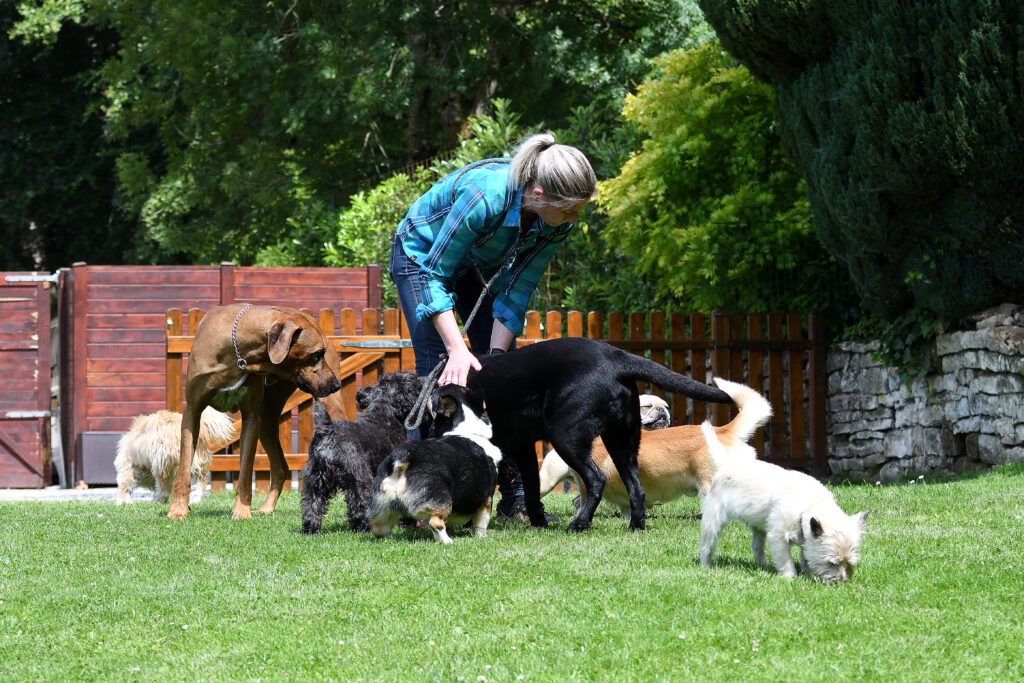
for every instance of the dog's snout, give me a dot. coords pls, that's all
(321, 390)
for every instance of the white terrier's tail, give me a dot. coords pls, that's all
(716, 449)
(754, 410)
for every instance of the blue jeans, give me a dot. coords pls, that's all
(427, 345)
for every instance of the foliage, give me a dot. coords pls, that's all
(58, 179)
(710, 208)
(940, 565)
(235, 123)
(907, 120)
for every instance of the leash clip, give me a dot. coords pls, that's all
(242, 364)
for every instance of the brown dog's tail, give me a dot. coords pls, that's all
(635, 367)
(754, 411)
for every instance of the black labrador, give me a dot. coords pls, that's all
(569, 391)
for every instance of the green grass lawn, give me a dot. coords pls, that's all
(89, 590)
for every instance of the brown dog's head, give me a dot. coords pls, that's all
(298, 351)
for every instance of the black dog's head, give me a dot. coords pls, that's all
(447, 406)
(391, 398)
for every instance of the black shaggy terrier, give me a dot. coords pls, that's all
(345, 455)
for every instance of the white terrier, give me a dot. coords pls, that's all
(783, 507)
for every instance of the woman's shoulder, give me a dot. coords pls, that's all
(486, 179)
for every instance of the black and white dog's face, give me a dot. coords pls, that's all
(458, 409)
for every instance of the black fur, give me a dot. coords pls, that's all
(568, 392)
(447, 476)
(344, 455)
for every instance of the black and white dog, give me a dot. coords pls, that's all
(444, 478)
(568, 392)
(344, 455)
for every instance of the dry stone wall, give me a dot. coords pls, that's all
(968, 412)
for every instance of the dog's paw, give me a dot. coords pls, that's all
(577, 525)
(177, 512)
(640, 525)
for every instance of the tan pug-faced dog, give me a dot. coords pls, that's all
(671, 462)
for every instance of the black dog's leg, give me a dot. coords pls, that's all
(317, 490)
(622, 447)
(576, 454)
(526, 460)
(357, 500)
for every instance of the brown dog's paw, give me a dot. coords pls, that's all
(178, 512)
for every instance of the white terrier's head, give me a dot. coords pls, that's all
(831, 544)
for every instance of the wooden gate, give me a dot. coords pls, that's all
(24, 380)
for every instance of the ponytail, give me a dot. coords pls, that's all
(562, 171)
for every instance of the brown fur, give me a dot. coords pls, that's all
(671, 462)
(285, 350)
(147, 454)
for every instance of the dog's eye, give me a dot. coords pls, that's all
(315, 358)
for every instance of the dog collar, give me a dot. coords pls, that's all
(242, 365)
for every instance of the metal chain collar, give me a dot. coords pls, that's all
(242, 365)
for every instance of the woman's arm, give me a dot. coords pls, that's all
(460, 359)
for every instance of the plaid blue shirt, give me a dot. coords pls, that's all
(470, 216)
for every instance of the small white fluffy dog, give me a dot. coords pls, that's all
(783, 507)
(148, 453)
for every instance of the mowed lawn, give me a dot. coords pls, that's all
(89, 590)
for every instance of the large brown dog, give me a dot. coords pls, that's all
(251, 358)
(671, 462)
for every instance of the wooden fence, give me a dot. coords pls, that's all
(782, 356)
(112, 340)
(25, 459)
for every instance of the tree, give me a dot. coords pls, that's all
(58, 190)
(710, 207)
(265, 113)
(907, 120)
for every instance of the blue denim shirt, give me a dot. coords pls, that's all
(472, 215)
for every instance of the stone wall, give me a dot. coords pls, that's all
(967, 412)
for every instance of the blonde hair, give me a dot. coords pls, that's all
(562, 171)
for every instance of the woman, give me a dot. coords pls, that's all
(497, 214)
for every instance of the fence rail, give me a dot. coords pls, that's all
(780, 355)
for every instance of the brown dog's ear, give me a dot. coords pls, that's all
(280, 337)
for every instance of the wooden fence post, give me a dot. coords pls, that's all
(776, 382)
(817, 386)
(720, 360)
(797, 446)
(227, 283)
(174, 398)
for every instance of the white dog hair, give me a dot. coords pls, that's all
(781, 506)
(148, 453)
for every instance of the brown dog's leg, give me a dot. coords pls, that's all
(250, 408)
(274, 398)
(183, 480)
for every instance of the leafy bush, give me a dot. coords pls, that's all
(907, 120)
(710, 208)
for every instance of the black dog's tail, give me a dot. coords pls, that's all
(636, 367)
